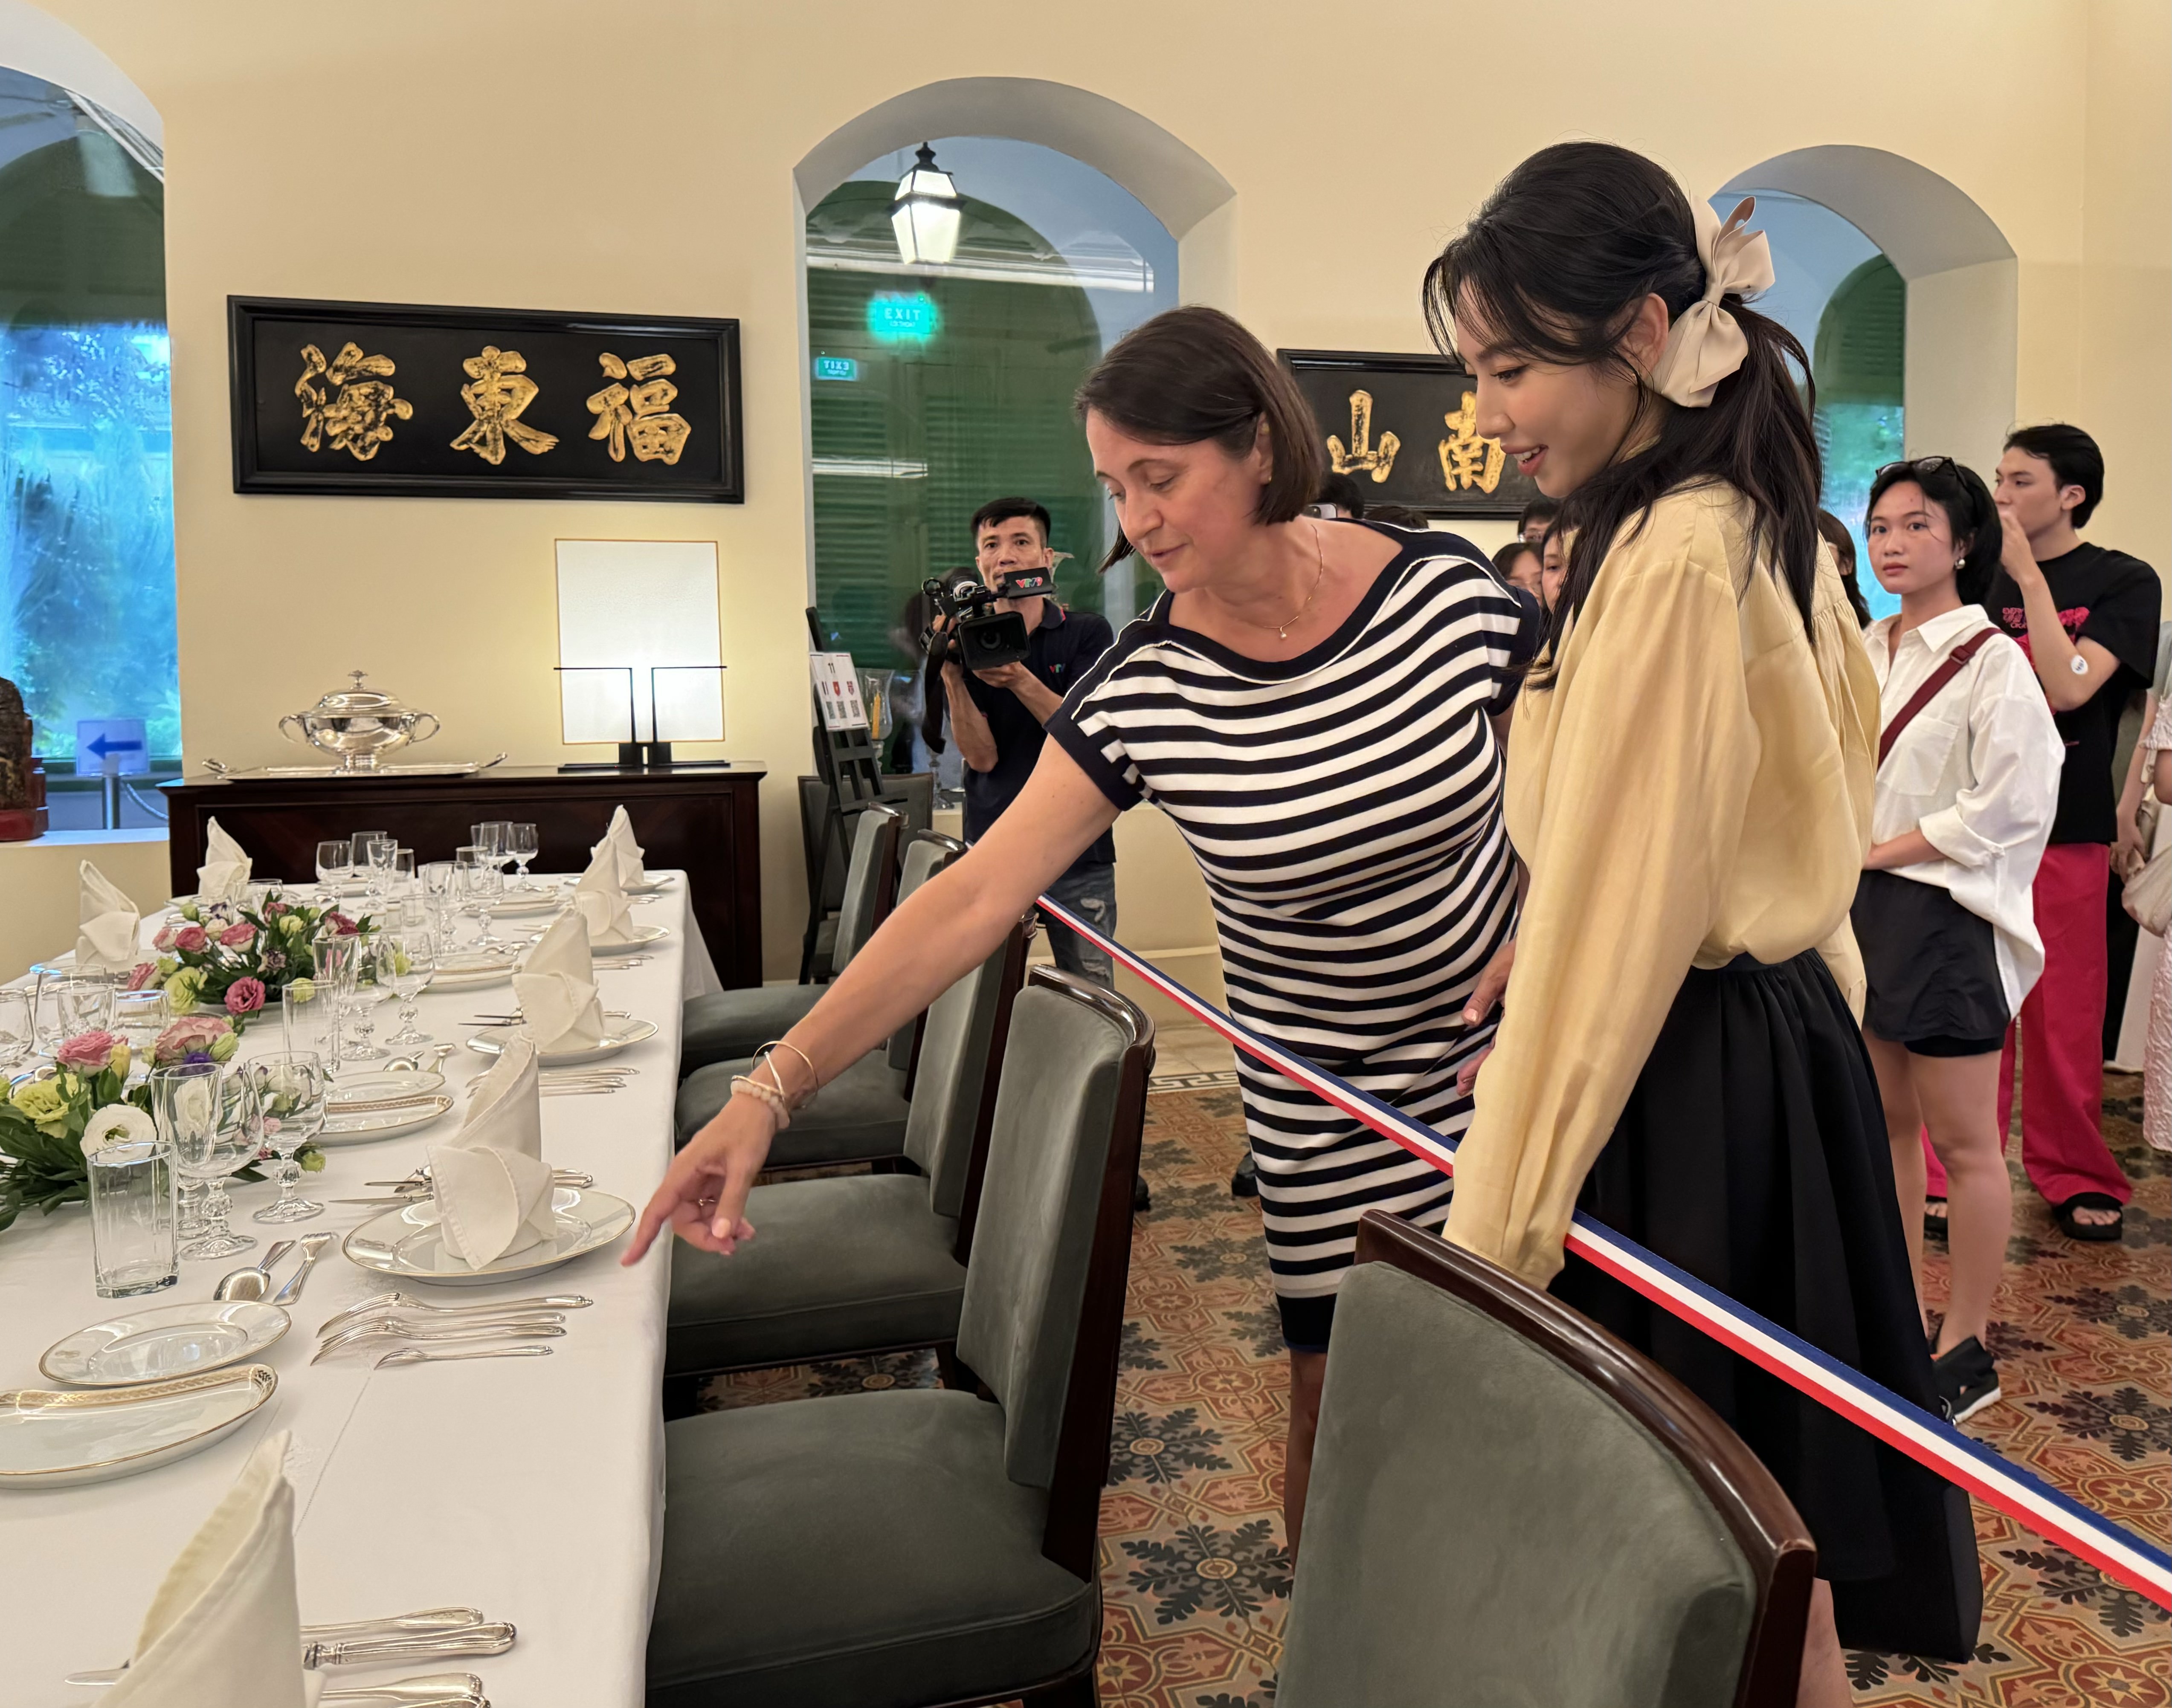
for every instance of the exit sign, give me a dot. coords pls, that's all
(835, 368)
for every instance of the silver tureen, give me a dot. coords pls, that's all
(358, 724)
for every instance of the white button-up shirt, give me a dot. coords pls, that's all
(1977, 772)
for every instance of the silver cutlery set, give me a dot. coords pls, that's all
(405, 1330)
(254, 1281)
(434, 1634)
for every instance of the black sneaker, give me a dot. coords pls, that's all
(1246, 1182)
(1967, 1380)
(1141, 1197)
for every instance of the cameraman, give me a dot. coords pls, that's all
(997, 716)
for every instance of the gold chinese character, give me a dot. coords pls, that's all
(1468, 461)
(1361, 458)
(637, 412)
(501, 389)
(354, 413)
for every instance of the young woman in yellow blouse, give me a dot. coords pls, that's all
(1690, 785)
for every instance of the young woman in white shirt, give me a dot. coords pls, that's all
(1968, 780)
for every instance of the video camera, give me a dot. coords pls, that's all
(979, 636)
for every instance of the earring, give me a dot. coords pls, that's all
(1959, 562)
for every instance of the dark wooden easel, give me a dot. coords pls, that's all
(849, 765)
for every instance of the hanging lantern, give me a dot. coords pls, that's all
(925, 215)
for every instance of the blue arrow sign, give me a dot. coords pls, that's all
(100, 742)
(102, 746)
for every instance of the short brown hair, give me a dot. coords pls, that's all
(1193, 374)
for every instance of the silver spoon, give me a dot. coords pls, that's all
(313, 1248)
(254, 1281)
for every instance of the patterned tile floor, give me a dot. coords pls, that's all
(1195, 1580)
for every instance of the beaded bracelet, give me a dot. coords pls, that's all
(764, 1093)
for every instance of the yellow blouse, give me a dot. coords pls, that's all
(1695, 785)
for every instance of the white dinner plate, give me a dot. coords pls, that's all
(159, 1342)
(643, 936)
(470, 974)
(406, 1244)
(523, 906)
(50, 1440)
(622, 1034)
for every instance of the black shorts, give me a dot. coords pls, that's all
(1933, 966)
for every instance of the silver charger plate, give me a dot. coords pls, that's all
(51, 1440)
(644, 936)
(406, 1243)
(160, 1343)
(622, 1034)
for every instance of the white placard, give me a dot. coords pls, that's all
(649, 606)
(114, 745)
(837, 691)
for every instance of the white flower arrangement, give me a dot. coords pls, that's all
(117, 1124)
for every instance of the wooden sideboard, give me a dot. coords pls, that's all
(706, 822)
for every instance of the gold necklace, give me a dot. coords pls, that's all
(1281, 630)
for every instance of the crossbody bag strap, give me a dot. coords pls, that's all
(1956, 662)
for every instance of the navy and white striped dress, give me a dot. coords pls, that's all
(1345, 808)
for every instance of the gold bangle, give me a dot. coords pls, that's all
(813, 1074)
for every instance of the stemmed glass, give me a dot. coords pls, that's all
(523, 844)
(340, 963)
(335, 861)
(207, 1118)
(481, 885)
(69, 1006)
(379, 852)
(290, 1096)
(406, 960)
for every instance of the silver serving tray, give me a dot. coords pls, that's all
(468, 768)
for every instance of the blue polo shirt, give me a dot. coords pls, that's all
(1063, 643)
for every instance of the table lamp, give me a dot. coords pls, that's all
(640, 646)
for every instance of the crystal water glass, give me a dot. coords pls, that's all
(133, 1221)
(406, 960)
(207, 1117)
(481, 886)
(139, 1017)
(343, 969)
(18, 1036)
(289, 1090)
(335, 861)
(68, 1006)
(310, 1012)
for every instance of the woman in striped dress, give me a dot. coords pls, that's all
(1319, 707)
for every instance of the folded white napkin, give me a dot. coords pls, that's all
(492, 1183)
(600, 900)
(107, 940)
(224, 874)
(626, 853)
(225, 1627)
(556, 991)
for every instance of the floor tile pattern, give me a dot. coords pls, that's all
(1195, 1580)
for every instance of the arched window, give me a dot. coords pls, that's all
(86, 439)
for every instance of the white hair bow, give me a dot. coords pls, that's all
(1704, 345)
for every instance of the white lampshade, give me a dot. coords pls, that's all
(925, 215)
(647, 607)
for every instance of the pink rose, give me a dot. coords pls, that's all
(273, 910)
(191, 940)
(245, 996)
(197, 1032)
(238, 935)
(142, 976)
(164, 940)
(340, 924)
(87, 1051)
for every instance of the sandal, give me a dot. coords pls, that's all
(2107, 1232)
(1934, 1227)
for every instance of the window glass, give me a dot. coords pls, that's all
(86, 440)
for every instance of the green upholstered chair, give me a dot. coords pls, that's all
(913, 796)
(860, 1263)
(916, 1546)
(728, 1024)
(1509, 1506)
(861, 1115)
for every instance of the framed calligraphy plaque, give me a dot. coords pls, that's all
(1403, 427)
(377, 399)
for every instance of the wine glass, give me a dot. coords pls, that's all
(376, 855)
(406, 957)
(523, 844)
(482, 886)
(208, 1120)
(335, 861)
(344, 963)
(289, 1090)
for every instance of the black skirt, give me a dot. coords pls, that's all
(1753, 1154)
(1931, 964)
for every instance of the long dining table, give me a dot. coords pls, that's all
(530, 1488)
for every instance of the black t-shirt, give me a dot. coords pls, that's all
(2113, 599)
(1064, 644)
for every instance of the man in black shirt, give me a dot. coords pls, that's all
(2088, 618)
(997, 716)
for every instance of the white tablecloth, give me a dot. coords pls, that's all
(529, 1488)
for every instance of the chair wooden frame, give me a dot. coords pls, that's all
(1774, 1541)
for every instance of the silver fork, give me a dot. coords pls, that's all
(492, 1639)
(532, 1329)
(409, 1355)
(408, 1301)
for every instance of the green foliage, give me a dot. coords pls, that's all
(41, 1127)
